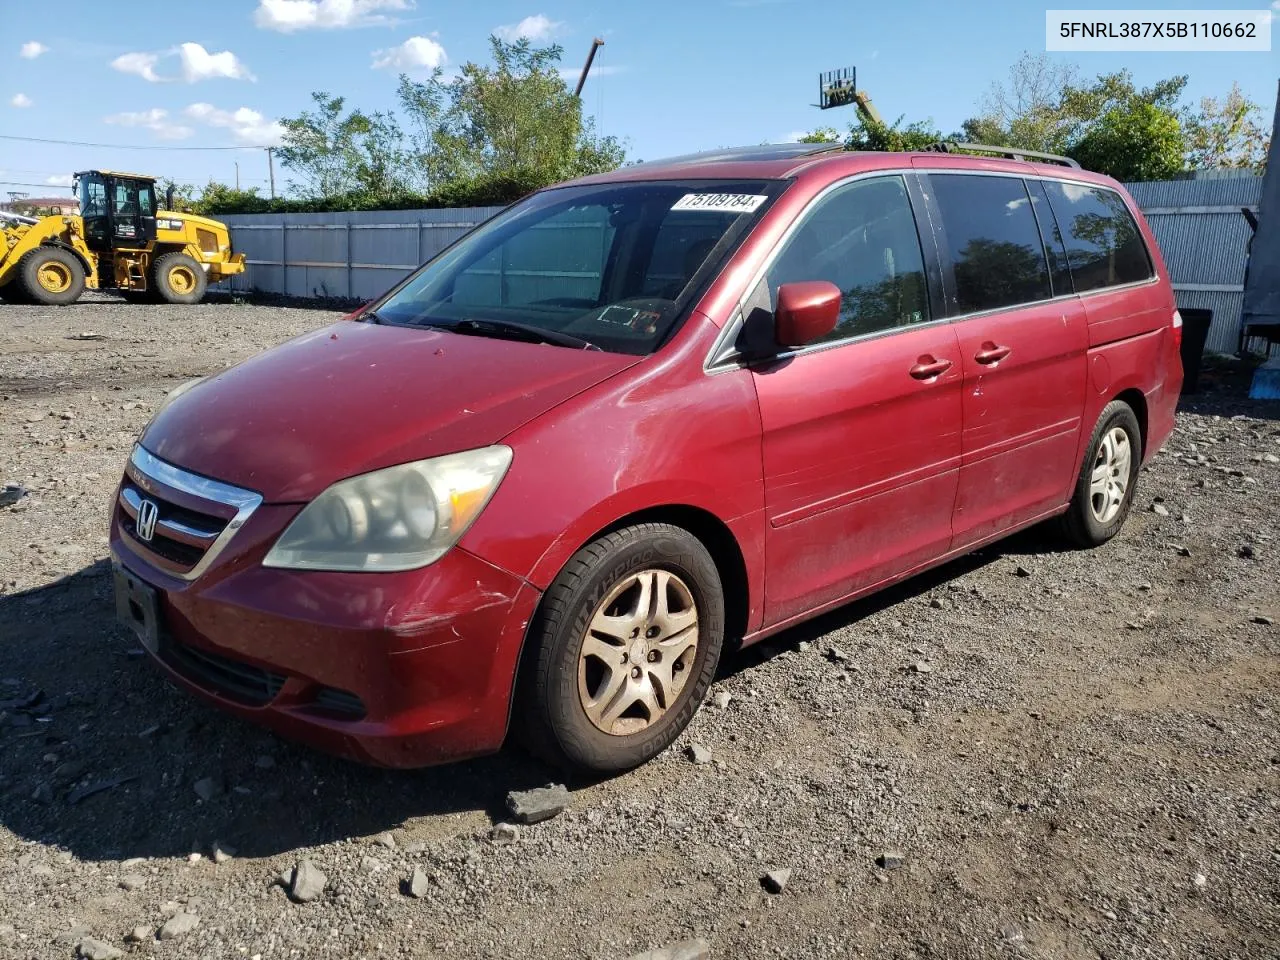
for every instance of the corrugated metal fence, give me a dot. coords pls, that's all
(1197, 223)
(1203, 237)
(358, 254)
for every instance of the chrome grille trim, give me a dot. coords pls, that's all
(146, 469)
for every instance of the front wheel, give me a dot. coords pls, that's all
(51, 276)
(1108, 477)
(623, 650)
(178, 278)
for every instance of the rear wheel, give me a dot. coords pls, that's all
(51, 275)
(178, 278)
(623, 650)
(1108, 477)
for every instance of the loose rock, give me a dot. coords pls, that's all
(307, 882)
(419, 884)
(139, 935)
(696, 949)
(891, 860)
(180, 924)
(775, 881)
(543, 803)
(503, 833)
(91, 949)
(698, 754)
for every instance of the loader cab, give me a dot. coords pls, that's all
(118, 209)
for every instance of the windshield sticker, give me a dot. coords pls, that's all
(720, 202)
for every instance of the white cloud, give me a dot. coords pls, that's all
(196, 64)
(20, 100)
(535, 28)
(59, 180)
(793, 137)
(416, 53)
(156, 120)
(32, 49)
(199, 64)
(143, 64)
(248, 126)
(286, 16)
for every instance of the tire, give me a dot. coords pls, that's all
(1099, 507)
(560, 680)
(178, 278)
(51, 276)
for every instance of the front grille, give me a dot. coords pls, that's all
(344, 703)
(193, 519)
(240, 681)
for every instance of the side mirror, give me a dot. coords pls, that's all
(806, 312)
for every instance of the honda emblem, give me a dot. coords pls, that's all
(146, 525)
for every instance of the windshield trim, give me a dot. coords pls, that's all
(726, 247)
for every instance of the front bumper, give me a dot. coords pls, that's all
(394, 669)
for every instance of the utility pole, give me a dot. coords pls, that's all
(271, 171)
(596, 44)
(237, 163)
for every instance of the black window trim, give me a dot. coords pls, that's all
(1152, 273)
(949, 277)
(724, 356)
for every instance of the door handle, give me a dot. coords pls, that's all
(992, 353)
(927, 368)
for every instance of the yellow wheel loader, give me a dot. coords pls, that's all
(119, 241)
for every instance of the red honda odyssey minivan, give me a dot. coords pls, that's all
(542, 483)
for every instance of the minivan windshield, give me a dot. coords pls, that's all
(611, 266)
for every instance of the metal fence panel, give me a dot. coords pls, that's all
(1204, 237)
(1197, 223)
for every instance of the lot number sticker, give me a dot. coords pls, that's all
(720, 202)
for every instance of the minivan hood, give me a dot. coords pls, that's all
(355, 397)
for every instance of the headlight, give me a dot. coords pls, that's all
(399, 518)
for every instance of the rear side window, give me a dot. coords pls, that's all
(993, 240)
(862, 237)
(1104, 246)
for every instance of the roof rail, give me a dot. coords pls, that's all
(951, 146)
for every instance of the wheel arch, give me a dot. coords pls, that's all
(90, 271)
(1137, 401)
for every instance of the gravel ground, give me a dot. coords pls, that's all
(1028, 753)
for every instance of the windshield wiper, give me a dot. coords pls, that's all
(520, 331)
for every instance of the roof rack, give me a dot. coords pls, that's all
(951, 146)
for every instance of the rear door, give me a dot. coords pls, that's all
(861, 433)
(1023, 341)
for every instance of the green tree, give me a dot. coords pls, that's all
(336, 153)
(514, 120)
(1135, 141)
(1026, 110)
(1226, 133)
(868, 134)
(821, 135)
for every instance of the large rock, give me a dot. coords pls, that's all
(180, 924)
(534, 806)
(91, 949)
(308, 882)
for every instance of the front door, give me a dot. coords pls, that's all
(861, 433)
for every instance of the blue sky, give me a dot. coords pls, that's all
(672, 77)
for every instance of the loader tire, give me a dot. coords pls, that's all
(51, 276)
(178, 278)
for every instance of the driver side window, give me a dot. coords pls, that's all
(861, 237)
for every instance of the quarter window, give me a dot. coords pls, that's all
(993, 240)
(1104, 246)
(861, 237)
